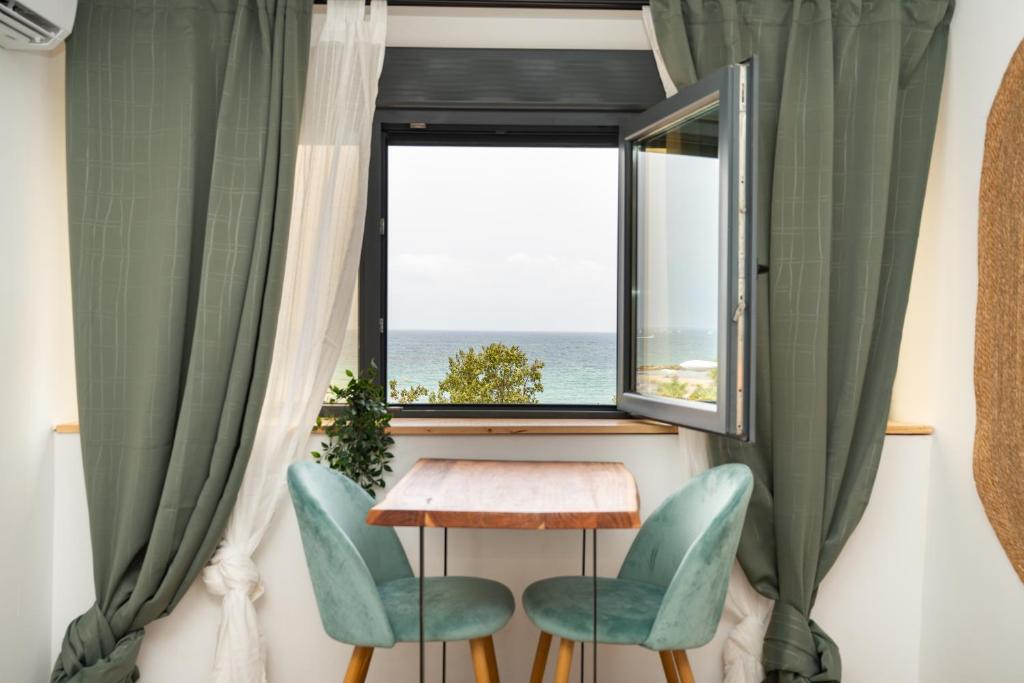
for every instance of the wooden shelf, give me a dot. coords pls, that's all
(908, 429)
(477, 426)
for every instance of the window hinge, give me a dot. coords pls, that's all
(382, 224)
(380, 324)
(743, 94)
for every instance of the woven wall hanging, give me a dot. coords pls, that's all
(999, 335)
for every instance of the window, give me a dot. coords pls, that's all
(687, 321)
(502, 260)
(542, 249)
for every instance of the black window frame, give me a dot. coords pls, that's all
(544, 97)
(506, 128)
(534, 94)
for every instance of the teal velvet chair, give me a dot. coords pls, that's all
(365, 589)
(670, 591)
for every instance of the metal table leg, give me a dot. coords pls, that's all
(594, 573)
(444, 645)
(423, 648)
(583, 645)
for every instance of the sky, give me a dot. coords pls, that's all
(502, 238)
(526, 239)
(679, 268)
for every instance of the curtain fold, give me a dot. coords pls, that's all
(848, 100)
(327, 219)
(182, 123)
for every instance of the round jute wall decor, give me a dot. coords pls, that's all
(999, 335)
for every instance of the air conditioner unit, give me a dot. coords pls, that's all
(35, 24)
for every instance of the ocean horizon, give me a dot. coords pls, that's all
(579, 367)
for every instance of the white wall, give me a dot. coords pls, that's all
(974, 602)
(512, 28)
(877, 580)
(36, 366)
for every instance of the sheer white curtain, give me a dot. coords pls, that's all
(744, 606)
(320, 278)
(666, 80)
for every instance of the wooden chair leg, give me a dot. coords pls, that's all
(366, 665)
(683, 665)
(540, 660)
(481, 667)
(669, 666)
(492, 660)
(358, 665)
(565, 650)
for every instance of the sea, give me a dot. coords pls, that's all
(579, 367)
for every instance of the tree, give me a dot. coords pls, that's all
(496, 374)
(692, 391)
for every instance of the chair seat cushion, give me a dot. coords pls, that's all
(455, 607)
(564, 606)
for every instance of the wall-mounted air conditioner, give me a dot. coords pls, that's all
(35, 24)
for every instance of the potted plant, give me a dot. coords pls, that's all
(358, 444)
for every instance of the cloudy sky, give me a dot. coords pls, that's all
(525, 239)
(502, 238)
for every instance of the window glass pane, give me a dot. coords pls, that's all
(502, 262)
(677, 261)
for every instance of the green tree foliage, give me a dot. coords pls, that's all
(410, 395)
(495, 374)
(358, 444)
(692, 391)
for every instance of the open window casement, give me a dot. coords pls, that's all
(687, 258)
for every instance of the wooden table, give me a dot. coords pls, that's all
(511, 494)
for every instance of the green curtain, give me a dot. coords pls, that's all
(848, 101)
(182, 128)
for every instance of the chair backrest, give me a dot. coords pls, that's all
(687, 547)
(347, 557)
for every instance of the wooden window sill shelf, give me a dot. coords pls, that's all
(476, 426)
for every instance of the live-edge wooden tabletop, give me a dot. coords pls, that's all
(512, 494)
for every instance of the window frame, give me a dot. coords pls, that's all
(432, 127)
(533, 92)
(732, 88)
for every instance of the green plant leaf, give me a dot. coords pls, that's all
(357, 442)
